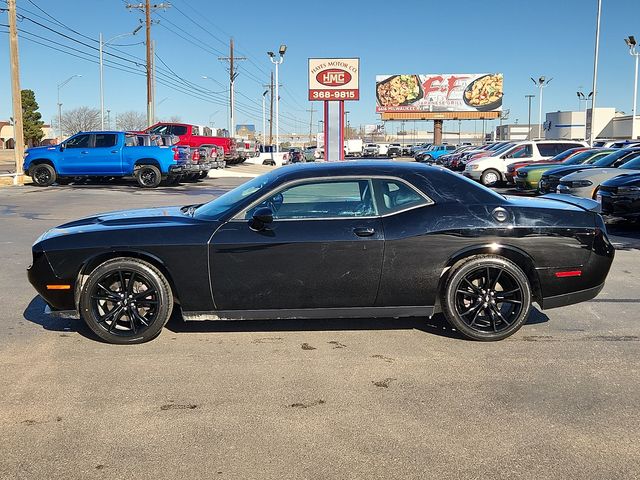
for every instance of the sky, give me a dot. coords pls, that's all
(520, 38)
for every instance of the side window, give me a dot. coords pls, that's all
(548, 149)
(80, 141)
(523, 151)
(206, 131)
(394, 196)
(451, 147)
(195, 130)
(130, 141)
(105, 140)
(327, 199)
(180, 130)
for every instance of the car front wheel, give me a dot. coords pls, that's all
(126, 300)
(43, 175)
(486, 297)
(490, 177)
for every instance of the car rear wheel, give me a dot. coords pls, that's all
(43, 175)
(148, 176)
(490, 177)
(486, 297)
(126, 300)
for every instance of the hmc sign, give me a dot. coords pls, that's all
(334, 79)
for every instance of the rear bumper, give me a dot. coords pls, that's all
(571, 298)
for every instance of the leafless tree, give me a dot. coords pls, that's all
(172, 119)
(81, 119)
(131, 120)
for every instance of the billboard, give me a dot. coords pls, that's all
(334, 79)
(467, 92)
(246, 131)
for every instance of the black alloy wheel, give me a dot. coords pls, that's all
(43, 175)
(148, 176)
(126, 300)
(487, 298)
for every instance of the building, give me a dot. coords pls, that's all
(7, 138)
(609, 123)
(516, 132)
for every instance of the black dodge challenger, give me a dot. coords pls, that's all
(344, 239)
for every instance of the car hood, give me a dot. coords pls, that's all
(142, 217)
(538, 166)
(560, 171)
(596, 173)
(629, 180)
(46, 148)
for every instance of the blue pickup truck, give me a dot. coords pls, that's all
(104, 154)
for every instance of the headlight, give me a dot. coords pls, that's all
(628, 189)
(474, 167)
(581, 183)
(26, 154)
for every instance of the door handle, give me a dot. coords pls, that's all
(84, 152)
(114, 151)
(364, 231)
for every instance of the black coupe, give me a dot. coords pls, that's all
(343, 239)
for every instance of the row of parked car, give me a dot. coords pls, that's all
(608, 172)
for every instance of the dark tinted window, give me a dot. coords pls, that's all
(348, 198)
(548, 149)
(179, 130)
(104, 140)
(611, 158)
(632, 161)
(394, 196)
(80, 141)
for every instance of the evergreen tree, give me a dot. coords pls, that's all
(32, 119)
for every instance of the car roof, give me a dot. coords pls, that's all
(351, 167)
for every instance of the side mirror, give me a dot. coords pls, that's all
(62, 147)
(261, 218)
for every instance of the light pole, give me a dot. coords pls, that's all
(631, 43)
(264, 116)
(594, 86)
(277, 62)
(101, 50)
(540, 83)
(60, 85)
(529, 97)
(586, 98)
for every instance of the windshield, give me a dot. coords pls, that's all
(160, 129)
(633, 162)
(613, 159)
(223, 203)
(585, 157)
(502, 149)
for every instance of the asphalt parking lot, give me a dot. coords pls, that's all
(323, 399)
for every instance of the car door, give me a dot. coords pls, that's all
(323, 250)
(105, 155)
(74, 158)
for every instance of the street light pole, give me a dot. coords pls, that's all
(277, 62)
(594, 89)
(60, 85)
(540, 83)
(631, 43)
(101, 50)
(529, 97)
(264, 116)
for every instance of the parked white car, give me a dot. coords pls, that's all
(492, 169)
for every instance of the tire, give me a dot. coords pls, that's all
(43, 175)
(490, 177)
(100, 296)
(471, 303)
(148, 176)
(203, 174)
(172, 180)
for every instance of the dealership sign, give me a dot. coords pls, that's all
(334, 79)
(467, 92)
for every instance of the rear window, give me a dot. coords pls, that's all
(548, 149)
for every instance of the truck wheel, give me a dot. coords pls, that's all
(148, 176)
(204, 173)
(43, 175)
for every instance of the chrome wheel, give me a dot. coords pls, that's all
(489, 299)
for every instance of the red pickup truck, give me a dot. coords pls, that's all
(195, 136)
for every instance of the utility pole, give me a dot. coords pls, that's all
(311, 124)
(529, 97)
(271, 112)
(18, 133)
(233, 74)
(148, 8)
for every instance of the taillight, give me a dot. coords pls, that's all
(176, 153)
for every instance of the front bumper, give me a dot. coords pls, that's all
(523, 184)
(41, 275)
(617, 205)
(473, 174)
